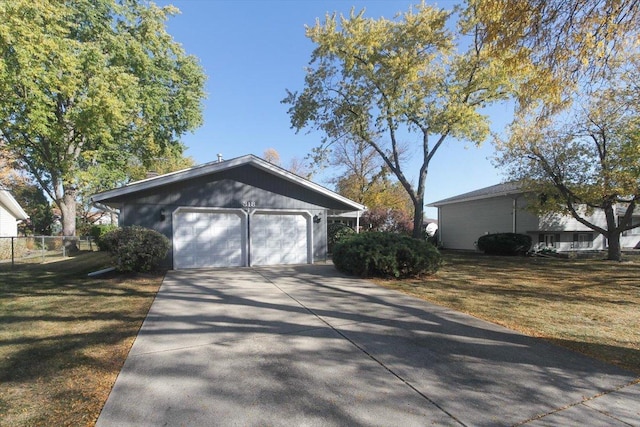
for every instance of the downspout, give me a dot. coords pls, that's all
(439, 231)
(515, 214)
(358, 222)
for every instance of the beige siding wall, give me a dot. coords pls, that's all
(557, 222)
(8, 224)
(461, 224)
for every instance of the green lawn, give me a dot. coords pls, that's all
(64, 337)
(589, 305)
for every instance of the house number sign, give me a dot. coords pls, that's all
(249, 204)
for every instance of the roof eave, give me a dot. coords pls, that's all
(12, 205)
(474, 198)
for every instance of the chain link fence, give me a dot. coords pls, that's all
(40, 249)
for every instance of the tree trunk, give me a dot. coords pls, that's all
(614, 252)
(418, 218)
(68, 211)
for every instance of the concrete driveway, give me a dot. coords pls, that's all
(306, 346)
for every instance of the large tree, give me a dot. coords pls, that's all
(558, 45)
(91, 81)
(379, 80)
(575, 138)
(584, 160)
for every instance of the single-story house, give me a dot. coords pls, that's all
(11, 213)
(238, 212)
(502, 208)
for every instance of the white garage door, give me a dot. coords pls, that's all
(278, 239)
(207, 239)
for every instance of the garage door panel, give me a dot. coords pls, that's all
(278, 239)
(207, 239)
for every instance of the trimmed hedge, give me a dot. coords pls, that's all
(379, 254)
(136, 248)
(504, 244)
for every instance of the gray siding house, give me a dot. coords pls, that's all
(239, 212)
(501, 208)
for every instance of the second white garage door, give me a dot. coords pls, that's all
(279, 239)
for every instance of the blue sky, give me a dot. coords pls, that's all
(253, 50)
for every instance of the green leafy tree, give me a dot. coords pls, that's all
(34, 202)
(372, 80)
(556, 46)
(583, 161)
(98, 176)
(91, 81)
(575, 136)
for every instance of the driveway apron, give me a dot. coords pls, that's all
(307, 346)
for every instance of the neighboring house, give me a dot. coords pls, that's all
(502, 208)
(10, 215)
(239, 212)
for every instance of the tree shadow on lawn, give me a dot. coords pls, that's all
(62, 334)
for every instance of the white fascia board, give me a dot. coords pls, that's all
(470, 199)
(12, 205)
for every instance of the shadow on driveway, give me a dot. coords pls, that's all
(305, 345)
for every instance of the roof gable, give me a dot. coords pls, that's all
(217, 167)
(498, 190)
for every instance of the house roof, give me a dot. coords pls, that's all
(218, 167)
(12, 206)
(504, 189)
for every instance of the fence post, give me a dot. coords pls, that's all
(42, 248)
(12, 254)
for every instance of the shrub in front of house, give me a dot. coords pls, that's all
(504, 244)
(336, 232)
(379, 254)
(136, 248)
(97, 231)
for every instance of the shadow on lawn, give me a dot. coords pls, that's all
(624, 357)
(52, 316)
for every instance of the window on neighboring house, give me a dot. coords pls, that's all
(582, 240)
(634, 231)
(549, 240)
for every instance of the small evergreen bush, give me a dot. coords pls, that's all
(97, 231)
(504, 244)
(379, 254)
(136, 248)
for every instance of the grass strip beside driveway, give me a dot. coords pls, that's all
(64, 337)
(588, 305)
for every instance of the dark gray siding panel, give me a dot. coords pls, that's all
(252, 185)
(231, 188)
